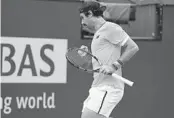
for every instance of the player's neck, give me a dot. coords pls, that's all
(99, 23)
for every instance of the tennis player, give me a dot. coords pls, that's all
(113, 47)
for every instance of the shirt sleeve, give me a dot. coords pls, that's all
(117, 36)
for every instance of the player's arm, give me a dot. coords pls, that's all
(130, 48)
(120, 38)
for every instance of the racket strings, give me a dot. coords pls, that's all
(82, 61)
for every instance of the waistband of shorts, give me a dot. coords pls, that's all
(107, 86)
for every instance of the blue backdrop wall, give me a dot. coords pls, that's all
(151, 68)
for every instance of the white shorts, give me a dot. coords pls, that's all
(103, 100)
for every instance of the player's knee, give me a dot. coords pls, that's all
(87, 113)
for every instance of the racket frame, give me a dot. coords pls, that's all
(77, 66)
(130, 83)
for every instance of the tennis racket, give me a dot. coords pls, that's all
(82, 60)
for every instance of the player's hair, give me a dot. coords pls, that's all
(93, 6)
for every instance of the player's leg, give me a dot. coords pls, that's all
(101, 102)
(93, 103)
(87, 113)
(91, 114)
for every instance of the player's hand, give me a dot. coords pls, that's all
(83, 47)
(107, 69)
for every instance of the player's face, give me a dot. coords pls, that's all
(87, 22)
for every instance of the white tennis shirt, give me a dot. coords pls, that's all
(106, 46)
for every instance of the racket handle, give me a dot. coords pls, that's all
(128, 82)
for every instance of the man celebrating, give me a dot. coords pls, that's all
(108, 42)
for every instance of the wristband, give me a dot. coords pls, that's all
(115, 67)
(120, 62)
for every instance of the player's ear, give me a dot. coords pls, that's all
(103, 8)
(90, 14)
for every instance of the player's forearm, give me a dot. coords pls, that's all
(128, 54)
(130, 48)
